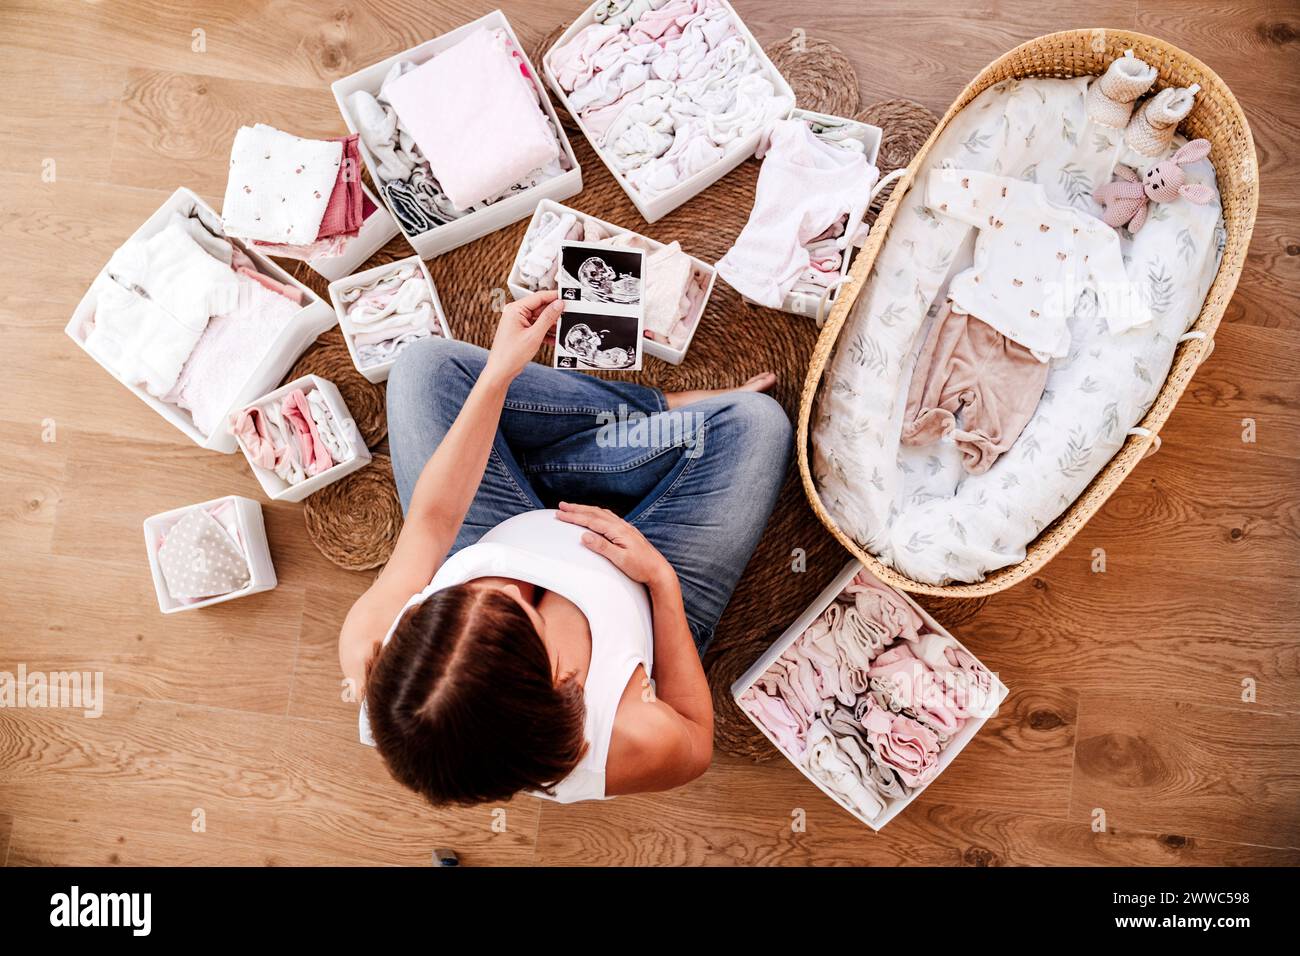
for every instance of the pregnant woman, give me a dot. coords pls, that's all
(524, 636)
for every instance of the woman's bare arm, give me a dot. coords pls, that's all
(447, 483)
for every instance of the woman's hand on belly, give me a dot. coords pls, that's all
(623, 544)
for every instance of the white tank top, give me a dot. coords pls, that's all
(537, 548)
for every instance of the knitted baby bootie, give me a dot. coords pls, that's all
(1152, 127)
(1111, 96)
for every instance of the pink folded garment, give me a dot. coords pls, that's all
(776, 716)
(245, 266)
(343, 212)
(312, 451)
(910, 683)
(475, 117)
(900, 743)
(250, 430)
(882, 604)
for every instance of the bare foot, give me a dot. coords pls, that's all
(759, 383)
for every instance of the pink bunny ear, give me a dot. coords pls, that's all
(1197, 193)
(1191, 152)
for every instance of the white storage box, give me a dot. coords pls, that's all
(866, 134)
(376, 230)
(252, 535)
(658, 349)
(809, 303)
(950, 749)
(501, 213)
(656, 207)
(276, 488)
(314, 318)
(379, 373)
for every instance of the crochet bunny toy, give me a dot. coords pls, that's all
(1126, 200)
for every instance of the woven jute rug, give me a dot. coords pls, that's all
(796, 557)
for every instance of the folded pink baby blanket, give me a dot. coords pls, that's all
(475, 116)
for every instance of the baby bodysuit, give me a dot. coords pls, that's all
(804, 187)
(1033, 259)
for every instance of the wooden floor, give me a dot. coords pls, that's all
(1127, 686)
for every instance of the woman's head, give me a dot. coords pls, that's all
(464, 705)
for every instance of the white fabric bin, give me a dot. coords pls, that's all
(315, 317)
(954, 745)
(501, 213)
(379, 373)
(276, 488)
(658, 349)
(655, 208)
(252, 533)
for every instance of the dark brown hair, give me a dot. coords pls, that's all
(463, 705)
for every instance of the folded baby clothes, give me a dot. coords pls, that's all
(831, 765)
(1034, 259)
(245, 266)
(279, 185)
(909, 683)
(393, 149)
(290, 468)
(388, 313)
(305, 437)
(974, 385)
(251, 430)
(623, 13)
(665, 87)
(881, 603)
(774, 714)
(905, 746)
(804, 186)
(155, 304)
(343, 213)
(232, 347)
(668, 276)
(475, 116)
(333, 432)
(199, 559)
(541, 248)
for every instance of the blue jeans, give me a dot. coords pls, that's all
(699, 482)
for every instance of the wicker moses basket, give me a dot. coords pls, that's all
(1216, 117)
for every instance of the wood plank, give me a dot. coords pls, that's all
(1188, 767)
(764, 804)
(1126, 686)
(100, 618)
(178, 127)
(61, 114)
(282, 785)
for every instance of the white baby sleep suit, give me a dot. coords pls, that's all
(983, 367)
(154, 305)
(805, 186)
(1033, 259)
